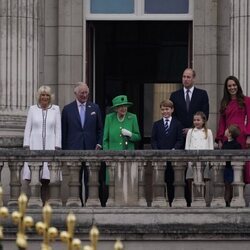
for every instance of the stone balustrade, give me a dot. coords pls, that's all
(127, 176)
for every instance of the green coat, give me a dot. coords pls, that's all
(113, 139)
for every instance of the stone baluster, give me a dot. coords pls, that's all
(219, 189)
(15, 182)
(35, 185)
(126, 183)
(111, 170)
(55, 184)
(179, 184)
(238, 185)
(141, 183)
(198, 185)
(93, 198)
(160, 198)
(1, 167)
(74, 185)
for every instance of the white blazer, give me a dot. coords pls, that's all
(42, 132)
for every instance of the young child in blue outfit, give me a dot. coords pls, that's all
(232, 132)
(167, 134)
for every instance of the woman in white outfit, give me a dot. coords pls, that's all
(42, 132)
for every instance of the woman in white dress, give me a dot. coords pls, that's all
(42, 132)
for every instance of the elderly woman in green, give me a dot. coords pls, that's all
(121, 128)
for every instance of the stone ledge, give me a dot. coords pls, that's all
(150, 223)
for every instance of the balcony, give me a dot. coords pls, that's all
(137, 209)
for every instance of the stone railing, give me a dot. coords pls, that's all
(128, 172)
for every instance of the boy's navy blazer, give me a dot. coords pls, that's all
(174, 138)
(199, 102)
(74, 137)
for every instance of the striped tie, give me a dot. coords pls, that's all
(166, 126)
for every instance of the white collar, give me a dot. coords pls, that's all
(80, 104)
(169, 119)
(191, 90)
(199, 129)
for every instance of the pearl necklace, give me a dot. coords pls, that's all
(120, 119)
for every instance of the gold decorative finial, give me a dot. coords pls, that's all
(22, 221)
(94, 237)
(4, 213)
(118, 245)
(67, 237)
(43, 228)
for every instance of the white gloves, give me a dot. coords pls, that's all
(126, 132)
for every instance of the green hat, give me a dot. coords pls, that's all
(121, 100)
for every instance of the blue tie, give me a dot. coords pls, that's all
(166, 126)
(82, 114)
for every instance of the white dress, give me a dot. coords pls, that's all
(42, 132)
(196, 140)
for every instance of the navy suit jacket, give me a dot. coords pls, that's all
(76, 137)
(199, 102)
(174, 138)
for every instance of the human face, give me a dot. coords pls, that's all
(166, 112)
(121, 110)
(82, 93)
(198, 122)
(188, 78)
(232, 88)
(44, 99)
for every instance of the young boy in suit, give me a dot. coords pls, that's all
(167, 134)
(232, 132)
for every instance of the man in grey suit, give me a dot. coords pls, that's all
(82, 129)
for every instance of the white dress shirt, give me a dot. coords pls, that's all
(191, 90)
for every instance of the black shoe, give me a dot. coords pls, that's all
(189, 204)
(227, 204)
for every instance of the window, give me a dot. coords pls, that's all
(166, 6)
(138, 9)
(112, 7)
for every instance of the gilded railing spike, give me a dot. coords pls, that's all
(43, 228)
(22, 221)
(68, 236)
(4, 213)
(118, 245)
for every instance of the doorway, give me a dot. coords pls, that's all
(130, 57)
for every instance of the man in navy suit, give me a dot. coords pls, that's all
(167, 134)
(198, 101)
(82, 128)
(187, 101)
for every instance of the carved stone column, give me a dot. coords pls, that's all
(15, 182)
(141, 184)
(93, 199)
(55, 184)
(18, 66)
(35, 185)
(219, 187)
(240, 42)
(111, 170)
(160, 198)
(198, 185)
(238, 185)
(74, 185)
(179, 184)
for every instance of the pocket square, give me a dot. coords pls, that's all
(93, 113)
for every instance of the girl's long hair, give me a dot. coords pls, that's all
(204, 119)
(227, 97)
